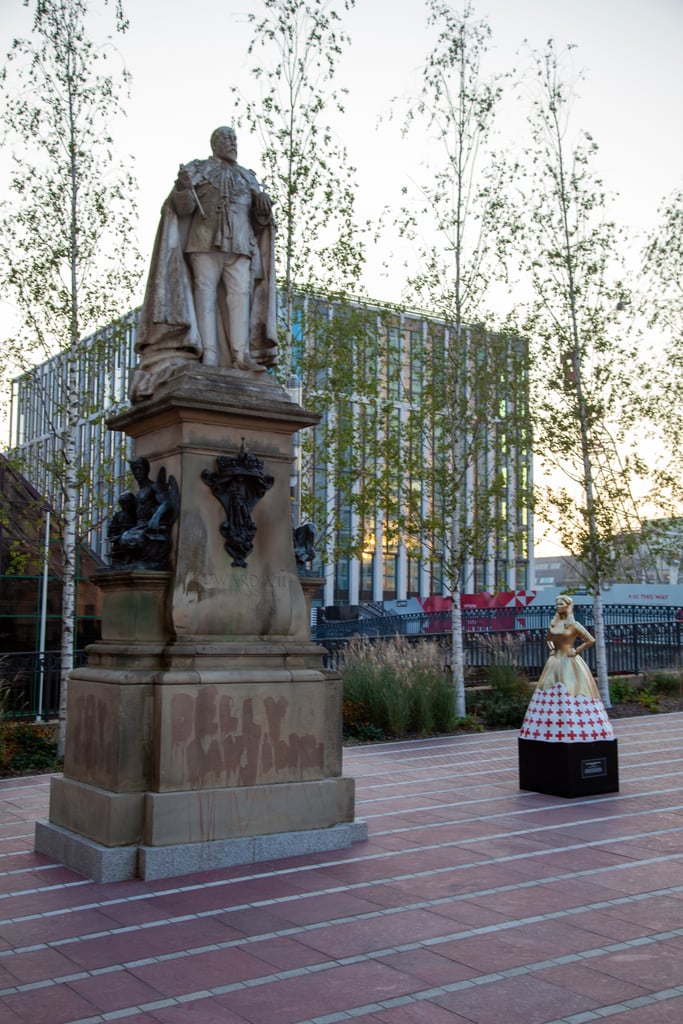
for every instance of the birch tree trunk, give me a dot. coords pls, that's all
(68, 255)
(601, 648)
(458, 656)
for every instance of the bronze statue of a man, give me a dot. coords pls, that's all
(211, 289)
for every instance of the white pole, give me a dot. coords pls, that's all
(43, 616)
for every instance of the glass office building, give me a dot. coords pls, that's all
(369, 370)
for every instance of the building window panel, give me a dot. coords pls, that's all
(412, 352)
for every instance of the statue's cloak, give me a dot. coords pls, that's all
(168, 335)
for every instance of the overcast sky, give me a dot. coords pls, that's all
(184, 56)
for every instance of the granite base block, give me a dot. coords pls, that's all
(100, 863)
(117, 864)
(187, 858)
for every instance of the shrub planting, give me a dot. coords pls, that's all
(403, 688)
(502, 702)
(648, 692)
(27, 749)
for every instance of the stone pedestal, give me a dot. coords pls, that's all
(204, 730)
(569, 769)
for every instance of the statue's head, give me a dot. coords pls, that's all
(224, 143)
(127, 502)
(139, 467)
(564, 603)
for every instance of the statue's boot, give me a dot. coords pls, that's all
(247, 362)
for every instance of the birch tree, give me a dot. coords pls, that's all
(455, 501)
(296, 47)
(663, 268)
(67, 253)
(586, 401)
(661, 304)
(342, 345)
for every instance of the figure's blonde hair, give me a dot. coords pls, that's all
(566, 599)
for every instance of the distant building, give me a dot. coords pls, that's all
(654, 555)
(38, 416)
(556, 571)
(386, 568)
(30, 572)
(397, 348)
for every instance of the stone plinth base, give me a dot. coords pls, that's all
(569, 769)
(212, 747)
(116, 864)
(196, 816)
(204, 730)
(209, 814)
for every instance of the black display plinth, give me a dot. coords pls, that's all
(569, 769)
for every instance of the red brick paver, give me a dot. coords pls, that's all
(472, 902)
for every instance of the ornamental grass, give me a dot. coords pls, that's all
(396, 687)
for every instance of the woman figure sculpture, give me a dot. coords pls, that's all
(565, 706)
(565, 664)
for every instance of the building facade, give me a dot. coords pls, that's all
(653, 556)
(31, 573)
(374, 476)
(420, 421)
(38, 419)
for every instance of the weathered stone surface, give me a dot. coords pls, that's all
(240, 734)
(109, 731)
(209, 814)
(193, 419)
(111, 819)
(204, 714)
(135, 605)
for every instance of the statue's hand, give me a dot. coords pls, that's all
(262, 204)
(183, 181)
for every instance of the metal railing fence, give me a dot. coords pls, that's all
(30, 684)
(639, 639)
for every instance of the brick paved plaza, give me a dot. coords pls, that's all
(471, 902)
